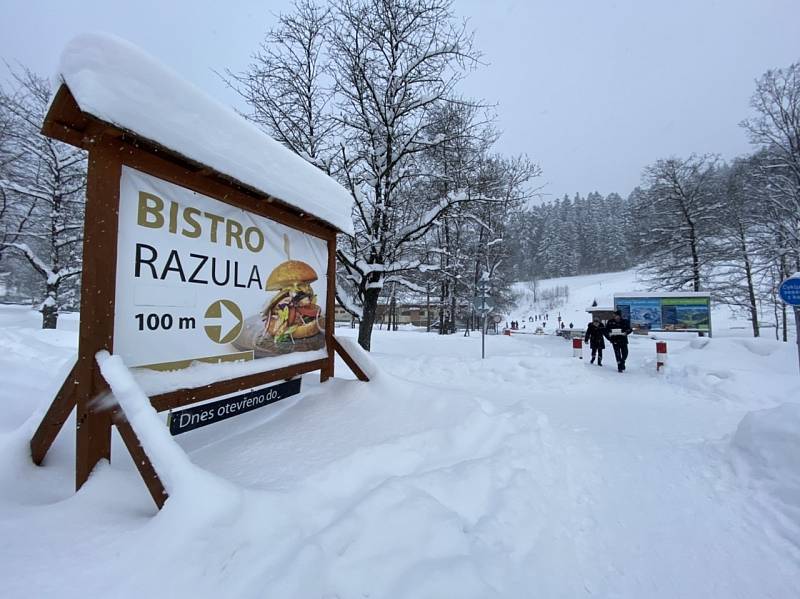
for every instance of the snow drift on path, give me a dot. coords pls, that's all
(430, 501)
(766, 450)
(748, 373)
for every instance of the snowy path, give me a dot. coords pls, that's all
(608, 485)
(645, 501)
(528, 474)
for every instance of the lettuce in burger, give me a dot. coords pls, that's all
(293, 313)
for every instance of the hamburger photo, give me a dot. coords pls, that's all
(293, 313)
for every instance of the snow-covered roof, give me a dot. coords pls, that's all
(635, 294)
(116, 82)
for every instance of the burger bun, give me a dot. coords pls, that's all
(289, 273)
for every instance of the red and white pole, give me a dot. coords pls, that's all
(661, 354)
(577, 348)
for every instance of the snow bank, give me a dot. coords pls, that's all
(766, 449)
(768, 443)
(167, 457)
(362, 358)
(746, 374)
(177, 473)
(118, 83)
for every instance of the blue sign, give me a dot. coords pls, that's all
(181, 421)
(790, 291)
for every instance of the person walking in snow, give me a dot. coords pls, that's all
(617, 331)
(594, 337)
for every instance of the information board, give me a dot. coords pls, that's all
(666, 313)
(199, 279)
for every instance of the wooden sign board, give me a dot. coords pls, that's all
(181, 263)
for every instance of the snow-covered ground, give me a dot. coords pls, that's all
(601, 288)
(528, 474)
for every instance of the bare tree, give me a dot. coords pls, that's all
(288, 85)
(42, 185)
(678, 209)
(776, 125)
(376, 79)
(775, 128)
(738, 268)
(394, 62)
(465, 139)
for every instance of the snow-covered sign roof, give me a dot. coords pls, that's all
(116, 82)
(635, 294)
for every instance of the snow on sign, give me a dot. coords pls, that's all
(198, 279)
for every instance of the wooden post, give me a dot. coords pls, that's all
(351, 363)
(54, 419)
(93, 434)
(140, 459)
(330, 312)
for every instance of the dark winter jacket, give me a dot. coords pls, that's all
(624, 325)
(594, 336)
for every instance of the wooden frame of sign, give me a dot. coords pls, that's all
(109, 149)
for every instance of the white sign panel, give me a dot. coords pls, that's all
(198, 279)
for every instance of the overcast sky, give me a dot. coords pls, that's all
(593, 90)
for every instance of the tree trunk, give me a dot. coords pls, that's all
(428, 308)
(752, 297)
(368, 320)
(442, 307)
(777, 315)
(50, 309)
(751, 292)
(785, 323)
(695, 258)
(784, 275)
(393, 309)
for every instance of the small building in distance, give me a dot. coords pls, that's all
(415, 314)
(602, 312)
(410, 309)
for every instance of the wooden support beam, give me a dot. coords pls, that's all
(330, 312)
(183, 397)
(143, 463)
(351, 363)
(54, 419)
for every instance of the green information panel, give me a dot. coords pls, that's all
(666, 313)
